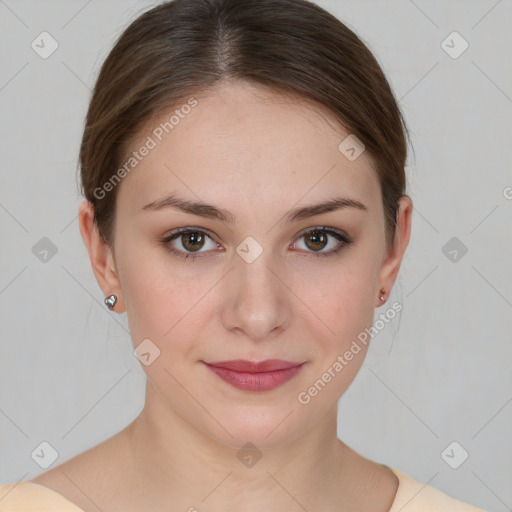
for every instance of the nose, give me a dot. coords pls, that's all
(257, 299)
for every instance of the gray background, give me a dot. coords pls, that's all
(440, 373)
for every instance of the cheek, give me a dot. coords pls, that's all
(341, 297)
(348, 311)
(162, 303)
(151, 292)
(343, 310)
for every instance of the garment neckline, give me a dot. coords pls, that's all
(53, 491)
(394, 505)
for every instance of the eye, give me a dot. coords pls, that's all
(187, 242)
(192, 242)
(319, 238)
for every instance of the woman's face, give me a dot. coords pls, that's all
(260, 283)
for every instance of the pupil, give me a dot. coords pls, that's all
(317, 238)
(192, 239)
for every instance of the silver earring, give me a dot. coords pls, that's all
(110, 301)
(383, 296)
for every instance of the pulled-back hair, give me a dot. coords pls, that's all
(182, 47)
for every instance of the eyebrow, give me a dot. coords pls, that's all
(212, 212)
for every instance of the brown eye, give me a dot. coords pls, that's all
(316, 240)
(189, 242)
(193, 240)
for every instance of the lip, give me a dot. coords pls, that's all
(255, 376)
(242, 365)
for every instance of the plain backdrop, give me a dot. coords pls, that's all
(435, 390)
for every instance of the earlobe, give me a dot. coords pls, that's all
(100, 253)
(391, 264)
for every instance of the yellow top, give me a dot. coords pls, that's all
(411, 496)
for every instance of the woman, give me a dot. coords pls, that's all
(243, 171)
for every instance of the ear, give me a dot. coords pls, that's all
(391, 263)
(100, 254)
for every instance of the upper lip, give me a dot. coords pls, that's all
(241, 365)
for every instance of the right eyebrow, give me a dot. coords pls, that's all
(192, 207)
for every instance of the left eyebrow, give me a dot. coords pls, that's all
(330, 206)
(210, 211)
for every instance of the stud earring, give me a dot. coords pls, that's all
(383, 296)
(110, 301)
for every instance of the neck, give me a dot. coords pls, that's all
(180, 465)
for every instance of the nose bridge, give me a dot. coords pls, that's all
(257, 303)
(254, 271)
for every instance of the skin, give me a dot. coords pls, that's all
(256, 154)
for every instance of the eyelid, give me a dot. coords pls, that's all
(188, 229)
(323, 228)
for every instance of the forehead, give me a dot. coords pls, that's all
(244, 139)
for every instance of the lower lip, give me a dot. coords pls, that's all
(264, 381)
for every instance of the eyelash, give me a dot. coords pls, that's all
(344, 240)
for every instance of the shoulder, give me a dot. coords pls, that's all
(100, 475)
(415, 496)
(26, 496)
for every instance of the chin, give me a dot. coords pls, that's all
(263, 426)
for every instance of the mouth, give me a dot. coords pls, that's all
(255, 376)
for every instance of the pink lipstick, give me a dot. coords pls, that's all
(255, 376)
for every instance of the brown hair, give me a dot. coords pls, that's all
(182, 47)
